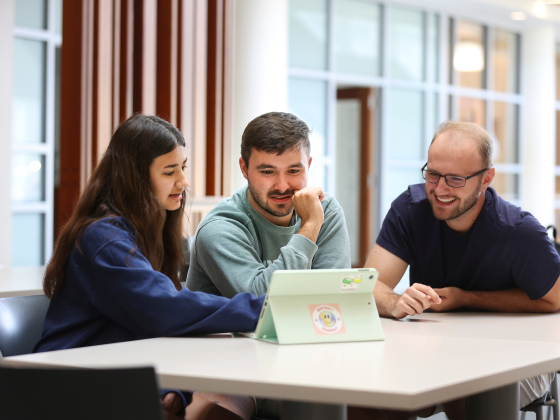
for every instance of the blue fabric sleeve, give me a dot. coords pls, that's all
(535, 264)
(395, 233)
(125, 285)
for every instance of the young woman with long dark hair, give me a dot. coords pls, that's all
(114, 272)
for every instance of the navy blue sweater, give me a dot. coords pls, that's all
(112, 294)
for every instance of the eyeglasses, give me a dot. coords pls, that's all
(451, 180)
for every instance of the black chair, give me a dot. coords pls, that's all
(85, 394)
(21, 323)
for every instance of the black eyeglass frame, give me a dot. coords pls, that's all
(465, 178)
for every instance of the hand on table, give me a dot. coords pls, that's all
(451, 298)
(415, 300)
(307, 204)
(172, 402)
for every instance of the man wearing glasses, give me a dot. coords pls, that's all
(466, 246)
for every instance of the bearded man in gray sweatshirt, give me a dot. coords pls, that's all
(276, 222)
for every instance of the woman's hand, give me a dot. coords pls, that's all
(172, 402)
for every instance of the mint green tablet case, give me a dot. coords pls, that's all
(320, 306)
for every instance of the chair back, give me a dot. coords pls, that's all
(85, 394)
(21, 323)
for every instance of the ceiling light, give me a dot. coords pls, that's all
(540, 8)
(518, 16)
(469, 56)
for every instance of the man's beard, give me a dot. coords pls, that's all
(464, 207)
(261, 200)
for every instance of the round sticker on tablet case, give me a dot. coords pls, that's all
(327, 319)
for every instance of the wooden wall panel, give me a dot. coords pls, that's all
(171, 58)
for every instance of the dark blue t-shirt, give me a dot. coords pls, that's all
(506, 247)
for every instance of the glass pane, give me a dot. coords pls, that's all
(307, 99)
(557, 218)
(557, 193)
(357, 37)
(348, 119)
(29, 92)
(506, 185)
(473, 110)
(406, 140)
(308, 34)
(558, 72)
(399, 179)
(28, 177)
(505, 62)
(406, 44)
(558, 138)
(28, 240)
(58, 16)
(433, 50)
(506, 144)
(468, 55)
(31, 13)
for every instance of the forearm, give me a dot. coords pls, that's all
(333, 243)
(511, 300)
(385, 299)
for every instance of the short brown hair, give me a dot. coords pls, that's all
(274, 132)
(484, 140)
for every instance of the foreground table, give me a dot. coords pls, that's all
(405, 371)
(21, 281)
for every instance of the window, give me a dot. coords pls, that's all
(38, 37)
(484, 71)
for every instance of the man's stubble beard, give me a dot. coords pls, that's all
(261, 201)
(468, 204)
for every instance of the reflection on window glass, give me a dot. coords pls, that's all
(28, 239)
(31, 13)
(29, 92)
(432, 55)
(308, 34)
(307, 99)
(405, 124)
(406, 44)
(473, 110)
(58, 16)
(348, 142)
(468, 55)
(506, 185)
(357, 37)
(399, 179)
(28, 177)
(505, 129)
(505, 62)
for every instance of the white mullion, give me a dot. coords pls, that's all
(31, 207)
(37, 35)
(443, 65)
(331, 103)
(385, 96)
(49, 130)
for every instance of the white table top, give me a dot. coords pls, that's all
(492, 325)
(21, 281)
(406, 371)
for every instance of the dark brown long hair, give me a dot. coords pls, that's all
(120, 186)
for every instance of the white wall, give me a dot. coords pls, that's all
(260, 68)
(7, 19)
